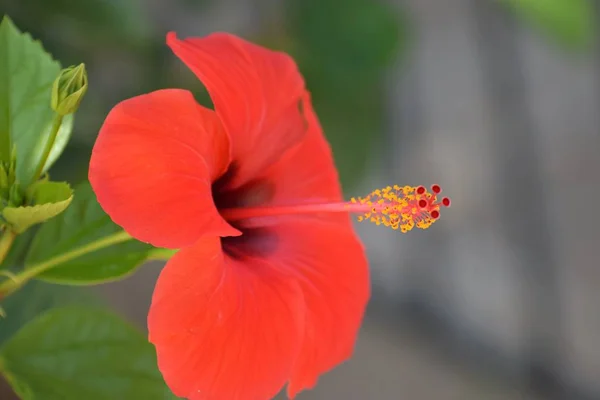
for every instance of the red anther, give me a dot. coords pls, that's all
(422, 203)
(436, 189)
(421, 190)
(435, 214)
(446, 202)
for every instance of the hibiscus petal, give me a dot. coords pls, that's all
(224, 329)
(152, 167)
(256, 93)
(322, 250)
(329, 263)
(307, 172)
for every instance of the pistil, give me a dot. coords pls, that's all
(402, 208)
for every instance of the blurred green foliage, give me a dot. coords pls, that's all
(63, 25)
(344, 53)
(571, 23)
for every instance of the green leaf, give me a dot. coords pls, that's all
(81, 353)
(570, 22)
(44, 191)
(27, 73)
(35, 298)
(48, 198)
(83, 224)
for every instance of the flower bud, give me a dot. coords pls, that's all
(15, 198)
(68, 89)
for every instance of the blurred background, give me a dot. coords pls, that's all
(496, 100)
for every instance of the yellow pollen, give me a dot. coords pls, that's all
(402, 208)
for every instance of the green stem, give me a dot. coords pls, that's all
(49, 144)
(34, 270)
(6, 241)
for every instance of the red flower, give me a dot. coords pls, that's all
(271, 282)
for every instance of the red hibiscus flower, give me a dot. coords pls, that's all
(270, 283)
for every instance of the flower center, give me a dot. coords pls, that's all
(396, 207)
(399, 208)
(250, 194)
(254, 241)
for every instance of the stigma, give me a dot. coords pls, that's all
(401, 208)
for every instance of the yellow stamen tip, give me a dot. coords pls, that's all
(403, 207)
